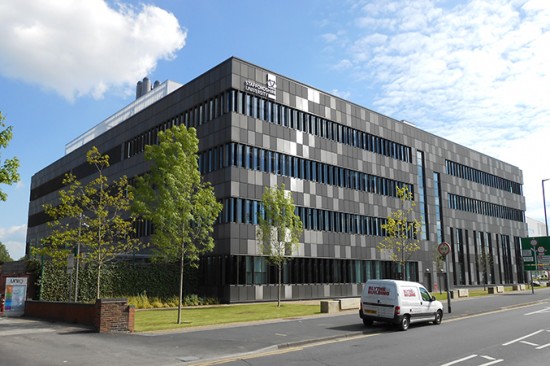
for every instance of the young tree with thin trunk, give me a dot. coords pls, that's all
(179, 203)
(94, 217)
(484, 263)
(279, 229)
(8, 168)
(402, 231)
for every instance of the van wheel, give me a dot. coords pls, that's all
(405, 322)
(438, 317)
(367, 322)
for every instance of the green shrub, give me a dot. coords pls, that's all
(140, 282)
(191, 300)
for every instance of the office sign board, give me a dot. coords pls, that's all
(536, 253)
(16, 295)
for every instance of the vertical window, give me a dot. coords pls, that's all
(438, 208)
(276, 163)
(421, 178)
(276, 113)
(247, 211)
(261, 159)
(231, 210)
(269, 162)
(247, 105)
(254, 158)
(239, 155)
(282, 164)
(238, 211)
(269, 111)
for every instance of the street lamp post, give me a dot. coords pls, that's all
(544, 204)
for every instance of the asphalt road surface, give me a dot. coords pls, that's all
(30, 342)
(519, 336)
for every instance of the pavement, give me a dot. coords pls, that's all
(27, 341)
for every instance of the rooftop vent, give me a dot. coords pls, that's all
(144, 87)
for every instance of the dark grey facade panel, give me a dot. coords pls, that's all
(327, 257)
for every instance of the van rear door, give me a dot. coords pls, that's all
(379, 299)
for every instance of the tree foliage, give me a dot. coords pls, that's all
(4, 254)
(8, 167)
(93, 218)
(402, 231)
(484, 262)
(179, 203)
(279, 229)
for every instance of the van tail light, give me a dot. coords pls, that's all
(397, 310)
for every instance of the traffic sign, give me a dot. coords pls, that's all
(536, 253)
(444, 248)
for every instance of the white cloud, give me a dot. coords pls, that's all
(13, 239)
(343, 65)
(476, 73)
(341, 93)
(84, 47)
(329, 37)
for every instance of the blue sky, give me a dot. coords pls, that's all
(475, 72)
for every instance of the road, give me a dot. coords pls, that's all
(519, 336)
(37, 343)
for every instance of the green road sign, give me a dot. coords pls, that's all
(536, 253)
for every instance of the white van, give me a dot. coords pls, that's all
(398, 302)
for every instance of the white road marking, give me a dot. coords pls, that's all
(547, 310)
(492, 360)
(543, 346)
(460, 360)
(522, 338)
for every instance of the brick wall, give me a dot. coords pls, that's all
(114, 315)
(106, 315)
(61, 311)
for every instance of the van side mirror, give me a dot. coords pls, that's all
(432, 298)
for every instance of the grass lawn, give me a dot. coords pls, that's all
(161, 319)
(472, 292)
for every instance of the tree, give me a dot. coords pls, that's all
(402, 231)
(8, 168)
(94, 218)
(279, 229)
(484, 263)
(174, 197)
(4, 254)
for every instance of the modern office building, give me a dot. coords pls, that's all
(342, 163)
